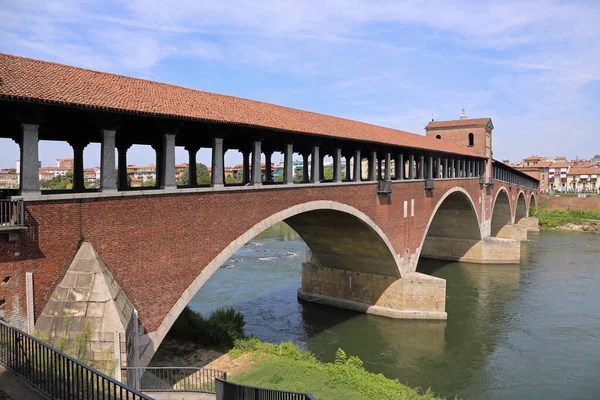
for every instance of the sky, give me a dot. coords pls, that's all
(532, 66)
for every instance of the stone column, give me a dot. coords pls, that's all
(321, 167)
(78, 176)
(379, 167)
(305, 175)
(458, 168)
(192, 170)
(30, 165)
(421, 167)
(337, 165)
(399, 167)
(122, 148)
(372, 166)
(430, 168)
(256, 170)
(167, 162)
(440, 168)
(464, 168)
(315, 174)
(108, 182)
(288, 163)
(246, 166)
(388, 167)
(411, 167)
(357, 166)
(268, 168)
(446, 169)
(217, 170)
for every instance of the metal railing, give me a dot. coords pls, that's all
(175, 379)
(12, 214)
(54, 373)
(232, 391)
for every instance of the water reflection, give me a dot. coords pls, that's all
(529, 331)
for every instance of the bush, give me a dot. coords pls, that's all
(220, 330)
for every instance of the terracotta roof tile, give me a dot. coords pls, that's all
(457, 123)
(584, 171)
(34, 80)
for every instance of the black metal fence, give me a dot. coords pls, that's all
(174, 379)
(232, 391)
(11, 214)
(54, 373)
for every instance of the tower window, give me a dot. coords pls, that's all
(471, 139)
(438, 137)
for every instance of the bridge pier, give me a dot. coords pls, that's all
(416, 296)
(531, 223)
(490, 250)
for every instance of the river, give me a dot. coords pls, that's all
(529, 331)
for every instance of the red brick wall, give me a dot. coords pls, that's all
(571, 203)
(461, 136)
(155, 246)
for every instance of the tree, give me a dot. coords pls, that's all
(328, 173)
(203, 176)
(60, 182)
(150, 183)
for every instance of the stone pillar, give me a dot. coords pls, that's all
(30, 164)
(217, 169)
(288, 163)
(337, 165)
(421, 167)
(348, 158)
(388, 167)
(440, 168)
(430, 168)
(268, 167)
(399, 167)
(246, 166)
(357, 166)
(256, 170)
(452, 173)
(372, 166)
(78, 176)
(379, 167)
(167, 167)
(192, 170)
(315, 174)
(464, 168)
(411, 167)
(122, 148)
(305, 175)
(108, 182)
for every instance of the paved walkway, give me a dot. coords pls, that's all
(13, 388)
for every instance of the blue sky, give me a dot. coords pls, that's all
(532, 66)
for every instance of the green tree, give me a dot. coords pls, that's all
(328, 173)
(61, 182)
(203, 176)
(151, 183)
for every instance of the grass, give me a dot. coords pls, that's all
(554, 219)
(286, 367)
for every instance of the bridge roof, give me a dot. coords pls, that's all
(25, 79)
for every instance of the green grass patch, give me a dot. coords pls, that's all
(553, 219)
(286, 367)
(220, 330)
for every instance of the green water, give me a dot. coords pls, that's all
(529, 331)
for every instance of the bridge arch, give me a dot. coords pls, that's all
(501, 212)
(453, 227)
(521, 210)
(346, 252)
(532, 201)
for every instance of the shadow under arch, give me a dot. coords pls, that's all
(453, 228)
(521, 210)
(532, 201)
(339, 236)
(501, 212)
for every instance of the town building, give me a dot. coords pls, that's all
(583, 179)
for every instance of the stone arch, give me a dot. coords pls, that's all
(521, 211)
(307, 219)
(501, 213)
(532, 202)
(453, 227)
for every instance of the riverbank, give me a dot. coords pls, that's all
(568, 220)
(286, 367)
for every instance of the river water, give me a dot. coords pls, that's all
(529, 331)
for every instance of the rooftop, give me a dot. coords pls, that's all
(26, 79)
(458, 123)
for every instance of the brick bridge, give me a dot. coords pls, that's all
(116, 255)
